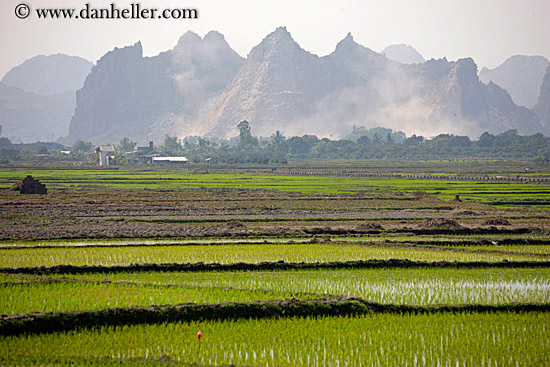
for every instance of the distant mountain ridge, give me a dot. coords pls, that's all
(37, 97)
(203, 87)
(29, 117)
(283, 87)
(405, 54)
(520, 75)
(47, 75)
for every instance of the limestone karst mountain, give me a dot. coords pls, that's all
(278, 84)
(28, 117)
(47, 75)
(405, 54)
(37, 97)
(283, 87)
(145, 98)
(203, 87)
(542, 108)
(520, 75)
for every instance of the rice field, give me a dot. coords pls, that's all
(463, 339)
(122, 218)
(66, 296)
(416, 287)
(242, 253)
(447, 240)
(506, 194)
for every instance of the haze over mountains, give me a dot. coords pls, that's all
(127, 94)
(405, 54)
(30, 117)
(283, 87)
(37, 98)
(47, 75)
(203, 87)
(521, 76)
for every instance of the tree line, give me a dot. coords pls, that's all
(376, 143)
(361, 143)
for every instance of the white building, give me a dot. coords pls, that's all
(180, 160)
(105, 153)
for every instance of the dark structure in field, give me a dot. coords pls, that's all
(30, 186)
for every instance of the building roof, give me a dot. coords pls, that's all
(107, 148)
(170, 159)
(152, 154)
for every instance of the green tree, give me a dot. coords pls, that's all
(542, 159)
(172, 146)
(364, 140)
(5, 143)
(278, 142)
(413, 141)
(42, 150)
(126, 145)
(82, 146)
(246, 140)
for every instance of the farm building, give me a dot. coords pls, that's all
(105, 153)
(143, 151)
(146, 154)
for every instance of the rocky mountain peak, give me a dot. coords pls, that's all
(404, 54)
(119, 56)
(188, 40)
(215, 37)
(191, 43)
(47, 75)
(520, 75)
(347, 46)
(280, 37)
(209, 61)
(280, 33)
(278, 46)
(466, 71)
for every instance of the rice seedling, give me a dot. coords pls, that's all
(230, 254)
(388, 286)
(464, 339)
(67, 295)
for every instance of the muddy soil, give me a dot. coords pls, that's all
(199, 213)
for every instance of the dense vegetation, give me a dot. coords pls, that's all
(363, 144)
(376, 143)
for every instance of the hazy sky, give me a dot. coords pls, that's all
(487, 30)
